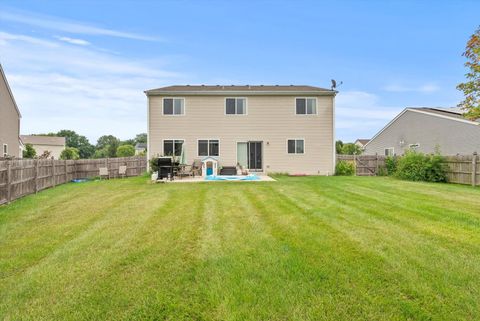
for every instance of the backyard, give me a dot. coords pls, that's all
(305, 248)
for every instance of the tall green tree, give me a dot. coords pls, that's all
(471, 88)
(141, 138)
(108, 144)
(85, 149)
(29, 151)
(338, 146)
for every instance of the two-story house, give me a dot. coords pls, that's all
(288, 129)
(9, 121)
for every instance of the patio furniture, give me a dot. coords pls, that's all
(185, 170)
(104, 173)
(228, 170)
(197, 167)
(122, 171)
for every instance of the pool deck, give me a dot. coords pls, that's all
(199, 179)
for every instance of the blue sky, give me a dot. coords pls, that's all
(84, 65)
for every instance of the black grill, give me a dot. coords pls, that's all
(165, 167)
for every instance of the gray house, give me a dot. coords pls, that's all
(425, 130)
(10, 145)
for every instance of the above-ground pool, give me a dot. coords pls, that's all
(251, 177)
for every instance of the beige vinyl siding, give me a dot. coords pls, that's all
(55, 150)
(9, 122)
(429, 131)
(270, 119)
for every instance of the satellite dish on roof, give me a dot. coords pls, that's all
(334, 84)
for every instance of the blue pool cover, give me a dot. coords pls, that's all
(252, 177)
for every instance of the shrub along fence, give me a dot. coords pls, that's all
(461, 169)
(365, 165)
(20, 177)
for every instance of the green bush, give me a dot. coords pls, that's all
(414, 166)
(125, 151)
(344, 168)
(29, 151)
(70, 153)
(391, 165)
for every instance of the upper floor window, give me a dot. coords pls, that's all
(5, 150)
(208, 147)
(172, 147)
(296, 146)
(235, 106)
(306, 106)
(173, 106)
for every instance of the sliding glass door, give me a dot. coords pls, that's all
(249, 155)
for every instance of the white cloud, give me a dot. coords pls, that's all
(93, 92)
(359, 114)
(53, 23)
(426, 88)
(74, 41)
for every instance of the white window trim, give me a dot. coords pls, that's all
(5, 150)
(175, 115)
(209, 139)
(393, 151)
(295, 139)
(225, 106)
(163, 144)
(295, 106)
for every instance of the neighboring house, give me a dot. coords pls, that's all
(426, 130)
(140, 148)
(55, 145)
(9, 121)
(262, 128)
(361, 143)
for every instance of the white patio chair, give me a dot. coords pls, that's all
(104, 173)
(122, 171)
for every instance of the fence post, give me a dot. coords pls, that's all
(474, 169)
(66, 174)
(35, 162)
(355, 163)
(376, 164)
(53, 172)
(9, 181)
(107, 163)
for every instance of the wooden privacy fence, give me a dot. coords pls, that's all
(365, 165)
(461, 169)
(21, 177)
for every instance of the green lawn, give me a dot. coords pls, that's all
(307, 248)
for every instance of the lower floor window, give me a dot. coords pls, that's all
(389, 151)
(208, 147)
(5, 150)
(296, 146)
(172, 147)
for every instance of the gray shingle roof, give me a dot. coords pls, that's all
(251, 89)
(454, 112)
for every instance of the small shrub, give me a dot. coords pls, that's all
(70, 153)
(391, 165)
(414, 166)
(382, 171)
(344, 168)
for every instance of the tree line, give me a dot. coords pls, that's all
(79, 147)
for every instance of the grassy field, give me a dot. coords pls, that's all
(307, 248)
